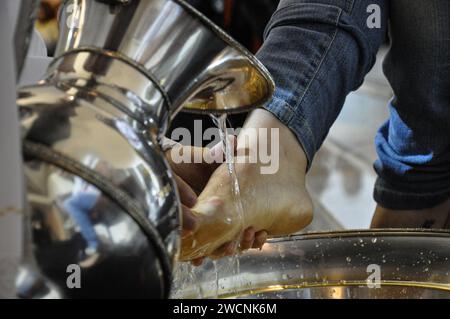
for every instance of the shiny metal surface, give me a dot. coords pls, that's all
(65, 226)
(337, 265)
(125, 161)
(192, 61)
(101, 195)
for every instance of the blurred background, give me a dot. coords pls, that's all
(47, 23)
(341, 179)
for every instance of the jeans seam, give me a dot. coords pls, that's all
(270, 26)
(305, 124)
(348, 9)
(315, 97)
(351, 5)
(290, 110)
(313, 77)
(289, 106)
(322, 59)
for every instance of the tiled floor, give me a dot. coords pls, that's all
(341, 178)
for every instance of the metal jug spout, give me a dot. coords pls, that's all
(194, 63)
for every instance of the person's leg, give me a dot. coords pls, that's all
(414, 145)
(437, 217)
(317, 51)
(79, 207)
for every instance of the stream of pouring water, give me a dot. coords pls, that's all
(230, 266)
(228, 148)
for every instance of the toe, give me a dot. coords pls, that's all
(197, 262)
(248, 238)
(225, 250)
(260, 239)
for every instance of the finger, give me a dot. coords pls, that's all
(194, 173)
(187, 195)
(260, 239)
(231, 249)
(179, 154)
(248, 238)
(226, 249)
(197, 262)
(190, 223)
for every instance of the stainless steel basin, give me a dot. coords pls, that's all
(341, 265)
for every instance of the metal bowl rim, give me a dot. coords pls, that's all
(358, 233)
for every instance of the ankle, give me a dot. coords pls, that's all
(437, 217)
(288, 146)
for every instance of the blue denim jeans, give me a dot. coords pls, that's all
(79, 206)
(318, 51)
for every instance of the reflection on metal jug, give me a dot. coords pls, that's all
(104, 213)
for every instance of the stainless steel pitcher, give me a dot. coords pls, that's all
(104, 213)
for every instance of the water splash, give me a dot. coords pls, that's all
(185, 277)
(216, 274)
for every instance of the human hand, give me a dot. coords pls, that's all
(191, 178)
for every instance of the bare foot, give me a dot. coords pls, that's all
(437, 217)
(276, 203)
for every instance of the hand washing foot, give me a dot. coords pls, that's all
(276, 203)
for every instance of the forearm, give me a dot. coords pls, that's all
(318, 51)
